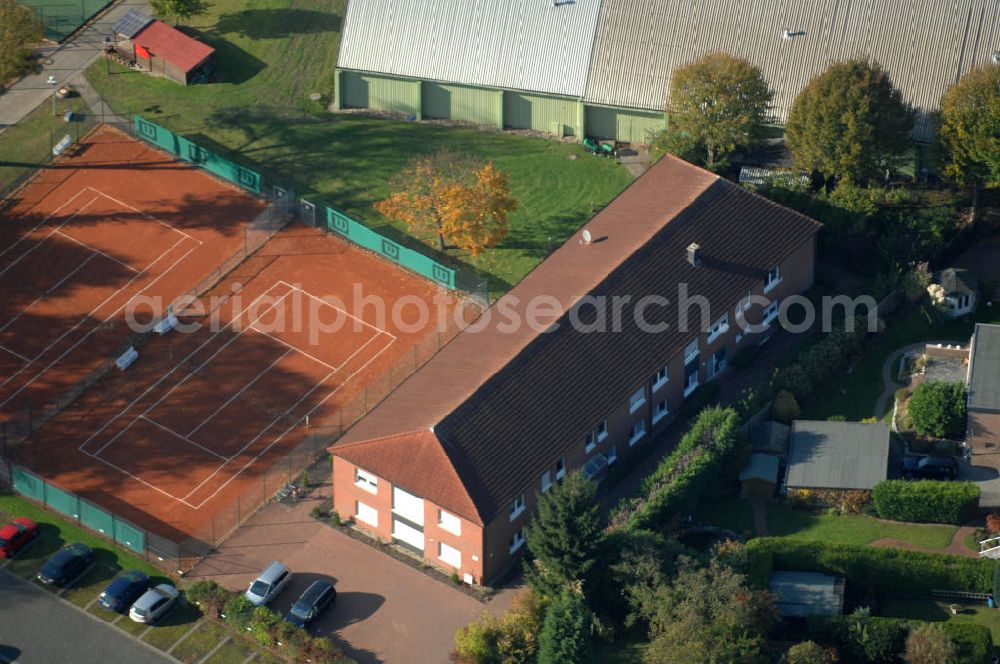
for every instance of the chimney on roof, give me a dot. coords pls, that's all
(694, 254)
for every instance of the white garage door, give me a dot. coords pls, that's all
(408, 506)
(406, 533)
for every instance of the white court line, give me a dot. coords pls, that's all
(176, 366)
(361, 348)
(139, 479)
(144, 214)
(44, 221)
(17, 355)
(284, 433)
(321, 300)
(96, 327)
(295, 348)
(235, 396)
(184, 438)
(44, 239)
(38, 299)
(96, 251)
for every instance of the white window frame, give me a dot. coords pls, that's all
(602, 430)
(365, 481)
(745, 302)
(560, 468)
(769, 317)
(691, 352)
(661, 377)
(358, 505)
(637, 400)
(517, 540)
(517, 507)
(452, 559)
(591, 442)
(771, 281)
(449, 523)
(637, 432)
(720, 326)
(691, 387)
(546, 480)
(660, 410)
(738, 338)
(612, 454)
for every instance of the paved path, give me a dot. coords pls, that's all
(759, 508)
(889, 383)
(65, 62)
(36, 627)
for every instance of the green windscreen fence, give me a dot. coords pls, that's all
(191, 152)
(83, 512)
(363, 236)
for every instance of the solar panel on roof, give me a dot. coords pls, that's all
(133, 21)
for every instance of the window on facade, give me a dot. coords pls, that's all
(637, 431)
(660, 378)
(450, 555)
(366, 513)
(718, 362)
(365, 480)
(546, 480)
(691, 352)
(744, 302)
(690, 378)
(612, 455)
(637, 399)
(773, 278)
(449, 522)
(517, 540)
(659, 410)
(770, 313)
(517, 507)
(560, 468)
(591, 442)
(720, 326)
(602, 430)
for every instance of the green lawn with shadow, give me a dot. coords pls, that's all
(937, 611)
(171, 627)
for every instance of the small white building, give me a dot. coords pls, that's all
(955, 291)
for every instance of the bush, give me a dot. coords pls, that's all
(973, 643)
(263, 622)
(210, 597)
(938, 409)
(929, 644)
(926, 501)
(807, 652)
(884, 571)
(512, 639)
(785, 408)
(238, 612)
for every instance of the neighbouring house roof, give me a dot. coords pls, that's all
(502, 401)
(925, 45)
(172, 45)
(984, 369)
(956, 280)
(800, 594)
(761, 467)
(770, 436)
(131, 23)
(837, 455)
(536, 45)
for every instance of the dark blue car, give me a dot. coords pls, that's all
(313, 600)
(66, 564)
(123, 591)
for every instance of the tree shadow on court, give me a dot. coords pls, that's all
(277, 23)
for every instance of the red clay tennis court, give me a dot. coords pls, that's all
(93, 231)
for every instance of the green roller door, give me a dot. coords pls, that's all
(129, 536)
(379, 92)
(29, 484)
(623, 125)
(462, 103)
(97, 519)
(62, 501)
(549, 114)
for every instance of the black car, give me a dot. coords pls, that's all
(313, 600)
(124, 590)
(66, 564)
(930, 467)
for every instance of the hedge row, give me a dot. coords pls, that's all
(684, 477)
(926, 501)
(882, 570)
(973, 643)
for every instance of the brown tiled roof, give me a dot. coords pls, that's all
(502, 403)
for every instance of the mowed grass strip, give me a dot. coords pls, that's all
(236, 651)
(271, 57)
(201, 642)
(783, 521)
(171, 627)
(89, 586)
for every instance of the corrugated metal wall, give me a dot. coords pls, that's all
(526, 111)
(460, 102)
(379, 92)
(621, 124)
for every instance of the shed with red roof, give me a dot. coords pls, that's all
(165, 50)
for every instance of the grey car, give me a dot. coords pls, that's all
(153, 603)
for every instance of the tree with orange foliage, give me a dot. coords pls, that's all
(461, 199)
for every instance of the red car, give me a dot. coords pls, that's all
(15, 536)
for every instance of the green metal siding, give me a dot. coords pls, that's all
(624, 125)
(379, 92)
(526, 111)
(460, 102)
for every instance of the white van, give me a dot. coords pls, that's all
(269, 584)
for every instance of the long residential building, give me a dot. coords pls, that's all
(451, 464)
(603, 67)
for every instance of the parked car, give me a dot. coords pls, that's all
(66, 564)
(123, 591)
(311, 603)
(269, 584)
(154, 603)
(16, 535)
(929, 467)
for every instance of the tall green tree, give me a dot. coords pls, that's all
(969, 135)
(718, 103)
(849, 122)
(19, 30)
(180, 10)
(938, 409)
(565, 538)
(565, 634)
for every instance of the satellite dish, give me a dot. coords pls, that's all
(586, 236)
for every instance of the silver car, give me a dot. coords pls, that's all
(153, 603)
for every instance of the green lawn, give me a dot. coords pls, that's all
(236, 652)
(937, 611)
(734, 514)
(175, 624)
(854, 394)
(207, 636)
(271, 57)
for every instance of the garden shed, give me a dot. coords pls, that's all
(158, 48)
(759, 478)
(770, 437)
(801, 594)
